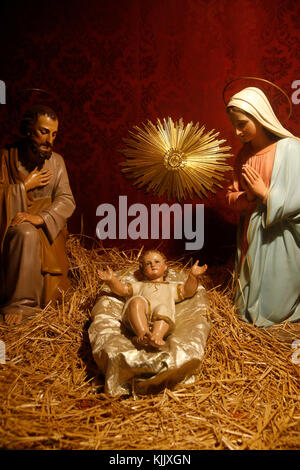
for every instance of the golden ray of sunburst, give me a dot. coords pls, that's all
(175, 160)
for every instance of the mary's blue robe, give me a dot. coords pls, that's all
(268, 290)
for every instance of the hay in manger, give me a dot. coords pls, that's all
(245, 396)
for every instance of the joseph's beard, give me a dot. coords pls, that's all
(37, 151)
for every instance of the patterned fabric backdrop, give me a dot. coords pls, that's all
(115, 64)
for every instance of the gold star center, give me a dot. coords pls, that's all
(174, 159)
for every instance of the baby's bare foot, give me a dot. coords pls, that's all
(156, 340)
(13, 318)
(142, 339)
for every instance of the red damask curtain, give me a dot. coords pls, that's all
(115, 64)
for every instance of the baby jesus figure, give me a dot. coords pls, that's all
(150, 309)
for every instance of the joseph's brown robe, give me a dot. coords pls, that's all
(34, 264)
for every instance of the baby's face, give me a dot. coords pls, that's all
(154, 266)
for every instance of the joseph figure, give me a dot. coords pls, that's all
(35, 203)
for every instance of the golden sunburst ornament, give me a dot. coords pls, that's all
(175, 160)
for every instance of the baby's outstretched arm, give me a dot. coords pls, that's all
(113, 282)
(190, 286)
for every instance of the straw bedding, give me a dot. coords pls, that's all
(246, 395)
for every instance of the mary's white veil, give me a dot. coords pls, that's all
(253, 101)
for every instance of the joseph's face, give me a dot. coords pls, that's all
(43, 135)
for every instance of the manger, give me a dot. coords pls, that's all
(245, 395)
